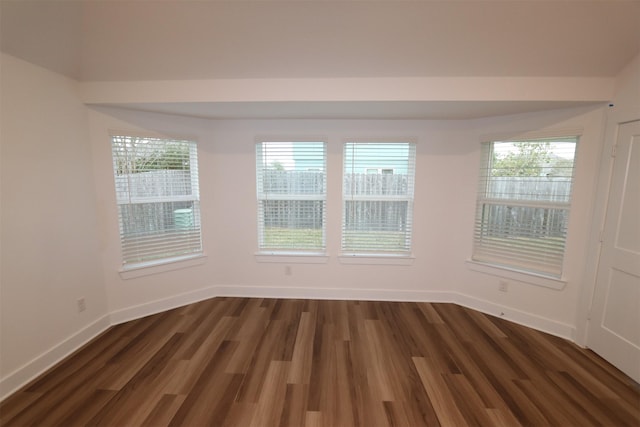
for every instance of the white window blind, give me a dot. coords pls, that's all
(523, 204)
(291, 190)
(158, 199)
(378, 186)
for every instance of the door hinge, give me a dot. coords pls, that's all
(613, 150)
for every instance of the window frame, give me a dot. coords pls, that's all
(499, 265)
(379, 255)
(194, 255)
(302, 254)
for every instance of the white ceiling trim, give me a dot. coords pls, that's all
(579, 89)
(384, 110)
(367, 98)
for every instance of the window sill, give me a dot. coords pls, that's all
(376, 259)
(518, 275)
(292, 257)
(161, 266)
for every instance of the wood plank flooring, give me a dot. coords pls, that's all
(275, 362)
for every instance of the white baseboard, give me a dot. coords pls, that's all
(523, 318)
(158, 306)
(334, 293)
(539, 323)
(31, 370)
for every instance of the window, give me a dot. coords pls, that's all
(377, 189)
(157, 193)
(523, 204)
(291, 187)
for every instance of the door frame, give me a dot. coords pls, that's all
(615, 117)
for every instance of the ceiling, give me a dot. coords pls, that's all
(170, 40)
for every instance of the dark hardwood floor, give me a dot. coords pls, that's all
(274, 362)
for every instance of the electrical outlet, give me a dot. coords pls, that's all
(503, 286)
(82, 305)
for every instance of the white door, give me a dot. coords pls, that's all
(614, 328)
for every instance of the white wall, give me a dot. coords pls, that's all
(227, 183)
(447, 170)
(50, 254)
(626, 101)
